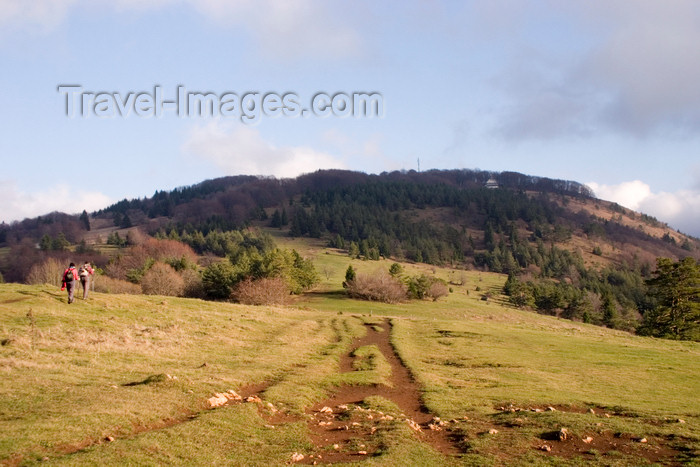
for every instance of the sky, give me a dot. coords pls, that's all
(102, 100)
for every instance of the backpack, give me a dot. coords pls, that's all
(83, 272)
(68, 275)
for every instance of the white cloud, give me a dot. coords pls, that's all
(239, 149)
(649, 63)
(621, 66)
(680, 209)
(18, 204)
(37, 14)
(285, 30)
(289, 29)
(628, 194)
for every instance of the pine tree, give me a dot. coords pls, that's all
(395, 270)
(609, 310)
(676, 289)
(276, 220)
(126, 222)
(350, 275)
(85, 219)
(45, 242)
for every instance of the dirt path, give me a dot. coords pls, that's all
(346, 433)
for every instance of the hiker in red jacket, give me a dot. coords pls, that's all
(85, 272)
(70, 278)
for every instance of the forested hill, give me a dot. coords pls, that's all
(500, 221)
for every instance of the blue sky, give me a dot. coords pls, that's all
(603, 92)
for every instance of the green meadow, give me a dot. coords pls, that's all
(124, 379)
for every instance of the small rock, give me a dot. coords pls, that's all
(413, 425)
(545, 447)
(109, 439)
(217, 400)
(563, 434)
(114, 386)
(537, 410)
(253, 398)
(271, 427)
(641, 440)
(233, 395)
(362, 453)
(587, 440)
(591, 411)
(680, 420)
(297, 457)
(607, 415)
(326, 410)
(551, 409)
(373, 430)
(336, 447)
(493, 431)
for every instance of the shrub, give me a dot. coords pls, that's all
(380, 287)
(266, 291)
(162, 279)
(423, 286)
(108, 284)
(418, 286)
(395, 270)
(194, 288)
(218, 279)
(350, 275)
(48, 272)
(437, 289)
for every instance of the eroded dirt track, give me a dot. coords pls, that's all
(345, 434)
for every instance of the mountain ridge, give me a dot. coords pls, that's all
(237, 201)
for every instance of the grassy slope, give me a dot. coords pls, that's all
(63, 377)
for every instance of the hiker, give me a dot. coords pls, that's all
(70, 277)
(85, 272)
